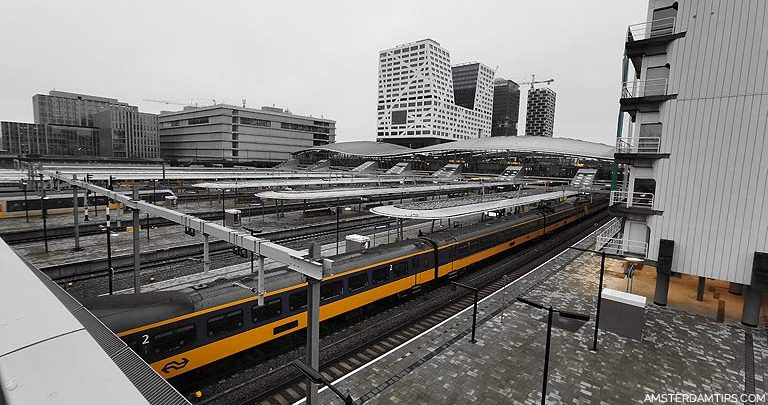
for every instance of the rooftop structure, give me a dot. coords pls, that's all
(53, 349)
(540, 156)
(416, 102)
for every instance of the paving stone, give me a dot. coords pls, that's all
(679, 352)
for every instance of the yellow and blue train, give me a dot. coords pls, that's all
(182, 330)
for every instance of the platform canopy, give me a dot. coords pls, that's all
(497, 144)
(332, 194)
(426, 211)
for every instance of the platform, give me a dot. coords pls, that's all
(680, 352)
(426, 210)
(310, 195)
(334, 181)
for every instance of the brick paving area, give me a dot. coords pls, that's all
(679, 352)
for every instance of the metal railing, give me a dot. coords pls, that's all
(627, 199)
(650, 29)
(644, 88)
(620, 246)
(607, 232)
(638, 144)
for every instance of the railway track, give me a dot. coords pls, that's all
(215, 214)
(290, 238)
(342, 353)
(96, 282)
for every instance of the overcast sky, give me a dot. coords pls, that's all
(313, 57)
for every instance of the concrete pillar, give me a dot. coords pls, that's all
(136, 245)
(260, 281)
(206, 254)
(313, 325)
(75, 216)
(752, 299)
(736, 288)
(700, 289)
(662, 289)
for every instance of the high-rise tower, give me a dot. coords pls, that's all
(540, 113)
(417, 104)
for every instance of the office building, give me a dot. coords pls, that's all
(38, 140)
(540, 113)
(230, 133)
(125, 132)
(506, 107)
(694, 149)
(59, 107)
(417, 103)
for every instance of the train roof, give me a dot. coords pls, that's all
(154, 307)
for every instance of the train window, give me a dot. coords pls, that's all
(399, 269)
(358, 281)
(285, 327)
(331, 290)
(415, 263)
(426, 262)
(225, 323)
(380, 275)
(270, 309)
(297, 301)
(173, 339)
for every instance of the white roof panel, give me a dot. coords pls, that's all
(65, 370)
(458, 211)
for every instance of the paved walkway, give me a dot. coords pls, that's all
(679, 353)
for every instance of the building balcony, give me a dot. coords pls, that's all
(644, 95)
(609, 241)
(649, 35)
(631, 149)
(623, 247)
(623, 203)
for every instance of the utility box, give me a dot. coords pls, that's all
(171, 201)
(622, 313)
(356, 243)
(232, 217)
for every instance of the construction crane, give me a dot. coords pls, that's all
(534, 81)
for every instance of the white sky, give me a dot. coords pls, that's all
(313, 57)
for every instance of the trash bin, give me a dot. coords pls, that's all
(232, 217)
(622, 313)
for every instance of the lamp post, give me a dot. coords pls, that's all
(45, 214)
(337, 228)
(26, 203)
(109, 253)
(223, 212)
(318, 378)
(550, 316)
(474, 309)
(603, 255)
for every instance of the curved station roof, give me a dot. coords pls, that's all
(524, 144)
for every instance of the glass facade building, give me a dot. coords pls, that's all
(506, 107)
(27, 139)
(122, 131)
